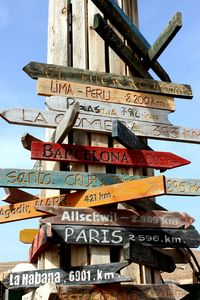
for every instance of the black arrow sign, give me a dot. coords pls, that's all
(96, 235)
(92, 274)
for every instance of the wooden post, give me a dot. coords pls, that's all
(72, 41)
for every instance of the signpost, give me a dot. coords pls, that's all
(24, 178)
(146, 255)
(26, 210)
(124, 292)
(113, 110)
(117, 236)
(115, 217)
(37, 70)
(51, 119)
(54, 87)
(91, 274)
(107, 156)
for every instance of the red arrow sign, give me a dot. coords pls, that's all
(102, 155)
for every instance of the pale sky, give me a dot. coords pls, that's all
(23, 30)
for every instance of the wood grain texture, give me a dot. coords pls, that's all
(165, 37)
(118, 46)
(124, 292)
(103, 124)
(114, 110)
(124, 25)
(106, 156)
(36, 70)
(66, 124)
(130, 190)
(52, 87)
(116, 217)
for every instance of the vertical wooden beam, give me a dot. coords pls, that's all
(97, 61)
(57, 53)
(79, 254)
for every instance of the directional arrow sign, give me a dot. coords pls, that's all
(59, 179)
(103, 155)
(52, 87)
(36, 70)
(125, 292)
(98, 235)
(115, 217)
(137, 189)
(114, 110)
(22, 178)
(148, 256)
(87, 122)
(26, 210)
(91, 274)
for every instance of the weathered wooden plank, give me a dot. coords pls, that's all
(51, 119)
(14, 195)
(116, 217)
(118, 46)
(26, 210)
(124, 292)
(52, 87)
(104, 125)
(91, 274)
(114, 110)
(97, 235)
(25, 178)
(129, 31)
(32, 117)
(27, 236)
(67, 123)
(187, 187)
(106, 156)
(36, 70)
(137, 189)
(146, 255)
(126, 137)
(165, 37)
(27, 139)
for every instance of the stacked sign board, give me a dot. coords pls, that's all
(126, 108)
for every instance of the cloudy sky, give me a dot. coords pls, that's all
(23, 30)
